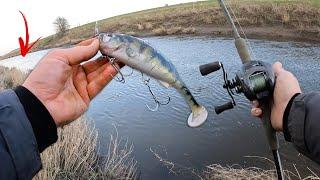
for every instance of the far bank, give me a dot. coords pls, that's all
(260, 19)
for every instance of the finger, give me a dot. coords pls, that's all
(86, 42)
(277, 67)
(257, 112)
(101, 81)
(96, 73)
(78, 54)
(80, 83)
(92, 66)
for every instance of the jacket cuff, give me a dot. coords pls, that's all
(294, 123)
(286, 132)
(43, 125)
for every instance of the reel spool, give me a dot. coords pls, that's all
(255, 81)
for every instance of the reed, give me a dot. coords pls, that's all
(10, 77)
(216, 171)
(75, 156)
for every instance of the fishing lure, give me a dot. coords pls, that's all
(139, 55)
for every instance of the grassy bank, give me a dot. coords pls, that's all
(216, 171)
(74, 156)
(269, 19)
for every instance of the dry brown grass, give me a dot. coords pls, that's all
(75, 155)
(10, 77)
(217, 171)
(288, 14)
(161, 31)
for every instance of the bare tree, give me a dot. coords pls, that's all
(61, 24)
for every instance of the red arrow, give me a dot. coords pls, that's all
(24, 49)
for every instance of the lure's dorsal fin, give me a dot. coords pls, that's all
(164, 84)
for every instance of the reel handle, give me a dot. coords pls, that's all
(206, 69)
(223, 107)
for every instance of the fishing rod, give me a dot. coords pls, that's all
(255, 80)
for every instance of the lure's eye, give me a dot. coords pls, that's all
(106, 37)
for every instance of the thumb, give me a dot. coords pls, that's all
(277, 68)
(83, 52)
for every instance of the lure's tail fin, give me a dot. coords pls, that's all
(198, 116)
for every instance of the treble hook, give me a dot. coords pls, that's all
(158, 103)
(113, 63)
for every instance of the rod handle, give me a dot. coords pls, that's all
(223, 107)
(269, 130)
(206, 69)
(242, 49)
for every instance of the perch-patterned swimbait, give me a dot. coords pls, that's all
(141, 56)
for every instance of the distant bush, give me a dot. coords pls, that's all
(61, 25)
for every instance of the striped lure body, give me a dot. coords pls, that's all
(141, 56)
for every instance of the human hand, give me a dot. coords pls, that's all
(64, 86)
(286, 86)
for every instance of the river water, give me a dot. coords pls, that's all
(233, 137)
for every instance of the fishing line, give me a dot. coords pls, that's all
(242, 31)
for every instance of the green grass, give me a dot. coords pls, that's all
(316, 3)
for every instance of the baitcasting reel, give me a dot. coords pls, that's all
(255, 80)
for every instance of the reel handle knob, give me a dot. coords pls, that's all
(206, 69)
(223, 107)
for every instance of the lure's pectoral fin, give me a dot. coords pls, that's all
(197, 117)
(164, 84)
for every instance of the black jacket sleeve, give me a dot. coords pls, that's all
(26, 127)
(301, 124)
(19, 155)
(43, 125)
